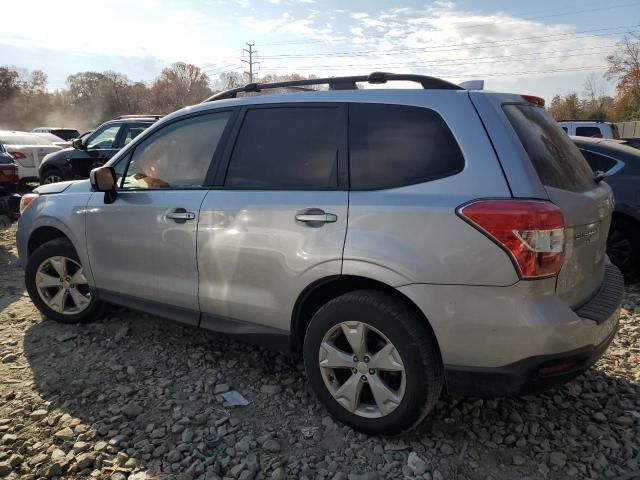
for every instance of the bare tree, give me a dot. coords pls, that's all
(626, 60)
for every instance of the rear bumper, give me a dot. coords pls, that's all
(519, 339)
(528, 376)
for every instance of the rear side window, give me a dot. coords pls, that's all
(588, 132)
(393, 145)
(553, 154)
(287, 148)
(598, 162)
(615, 132)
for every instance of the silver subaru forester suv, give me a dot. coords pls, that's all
(403, 241)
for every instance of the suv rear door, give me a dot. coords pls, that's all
(278, 219)
(541, 161)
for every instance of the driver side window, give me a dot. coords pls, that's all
(103, 139)
(176, 156)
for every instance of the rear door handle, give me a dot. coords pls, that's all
(317, 218)
(181, 216)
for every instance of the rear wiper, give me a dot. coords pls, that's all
(599, 176)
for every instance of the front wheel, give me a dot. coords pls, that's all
(57, 284)
(51, 176)
(373, 361)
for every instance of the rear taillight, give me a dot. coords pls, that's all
(533, 100)
(18, 155)
(531, 231)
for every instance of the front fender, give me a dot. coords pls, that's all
(65, 213)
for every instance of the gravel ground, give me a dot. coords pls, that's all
(132, 396)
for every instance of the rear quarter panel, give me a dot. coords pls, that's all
(412, 234)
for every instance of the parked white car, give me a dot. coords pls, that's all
(54, 139)
(27, 150)
(590, 128)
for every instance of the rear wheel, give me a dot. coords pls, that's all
(57, 285)
(623, 247)
(52, 175)
(373, 362)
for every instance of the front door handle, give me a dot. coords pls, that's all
(315, 217)
(181, 215)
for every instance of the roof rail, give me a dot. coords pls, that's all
(340, 83)
(123, 117)
(582, 120)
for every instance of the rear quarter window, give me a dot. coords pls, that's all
(554, 156)
(594, 132)
(395, 145)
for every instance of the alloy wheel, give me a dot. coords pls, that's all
(362, 369)
(53, 178)
(62, 286)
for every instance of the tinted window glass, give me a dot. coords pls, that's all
(287, 148)
(66, 133)
(177, 156)
(392, 145)
(565, 129)
(555, 157)
(598, 162)
(588, 132)
(132, 131)
(103, 139)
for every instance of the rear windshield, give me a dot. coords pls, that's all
(66, 133)
(553, 154)
(23, 139)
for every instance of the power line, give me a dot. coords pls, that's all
(471, 61)
(460, 46)
(574, 12)
(571, 12)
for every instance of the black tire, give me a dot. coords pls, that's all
(50, 173)
(412, 338)
(54, 248)
(623, 247)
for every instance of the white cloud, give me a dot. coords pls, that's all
(130, 29)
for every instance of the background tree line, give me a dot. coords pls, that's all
(94, 97)
(593, 104)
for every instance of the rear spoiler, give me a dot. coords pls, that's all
(473, 85)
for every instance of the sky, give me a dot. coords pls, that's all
(538, 48)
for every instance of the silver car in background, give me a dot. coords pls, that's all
(403, 241)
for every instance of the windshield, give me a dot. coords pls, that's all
(22, 139)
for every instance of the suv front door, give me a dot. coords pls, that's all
(142, 247)
(278, 220)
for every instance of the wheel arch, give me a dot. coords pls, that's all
(42, 235)
(322, 291)
(624, 216)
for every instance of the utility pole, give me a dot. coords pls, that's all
(251, 52)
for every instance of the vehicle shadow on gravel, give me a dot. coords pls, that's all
(148, 393)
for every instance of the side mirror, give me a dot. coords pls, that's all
(77, 144)
(103, 179)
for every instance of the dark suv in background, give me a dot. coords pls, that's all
(620, 164)
(94, 150)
